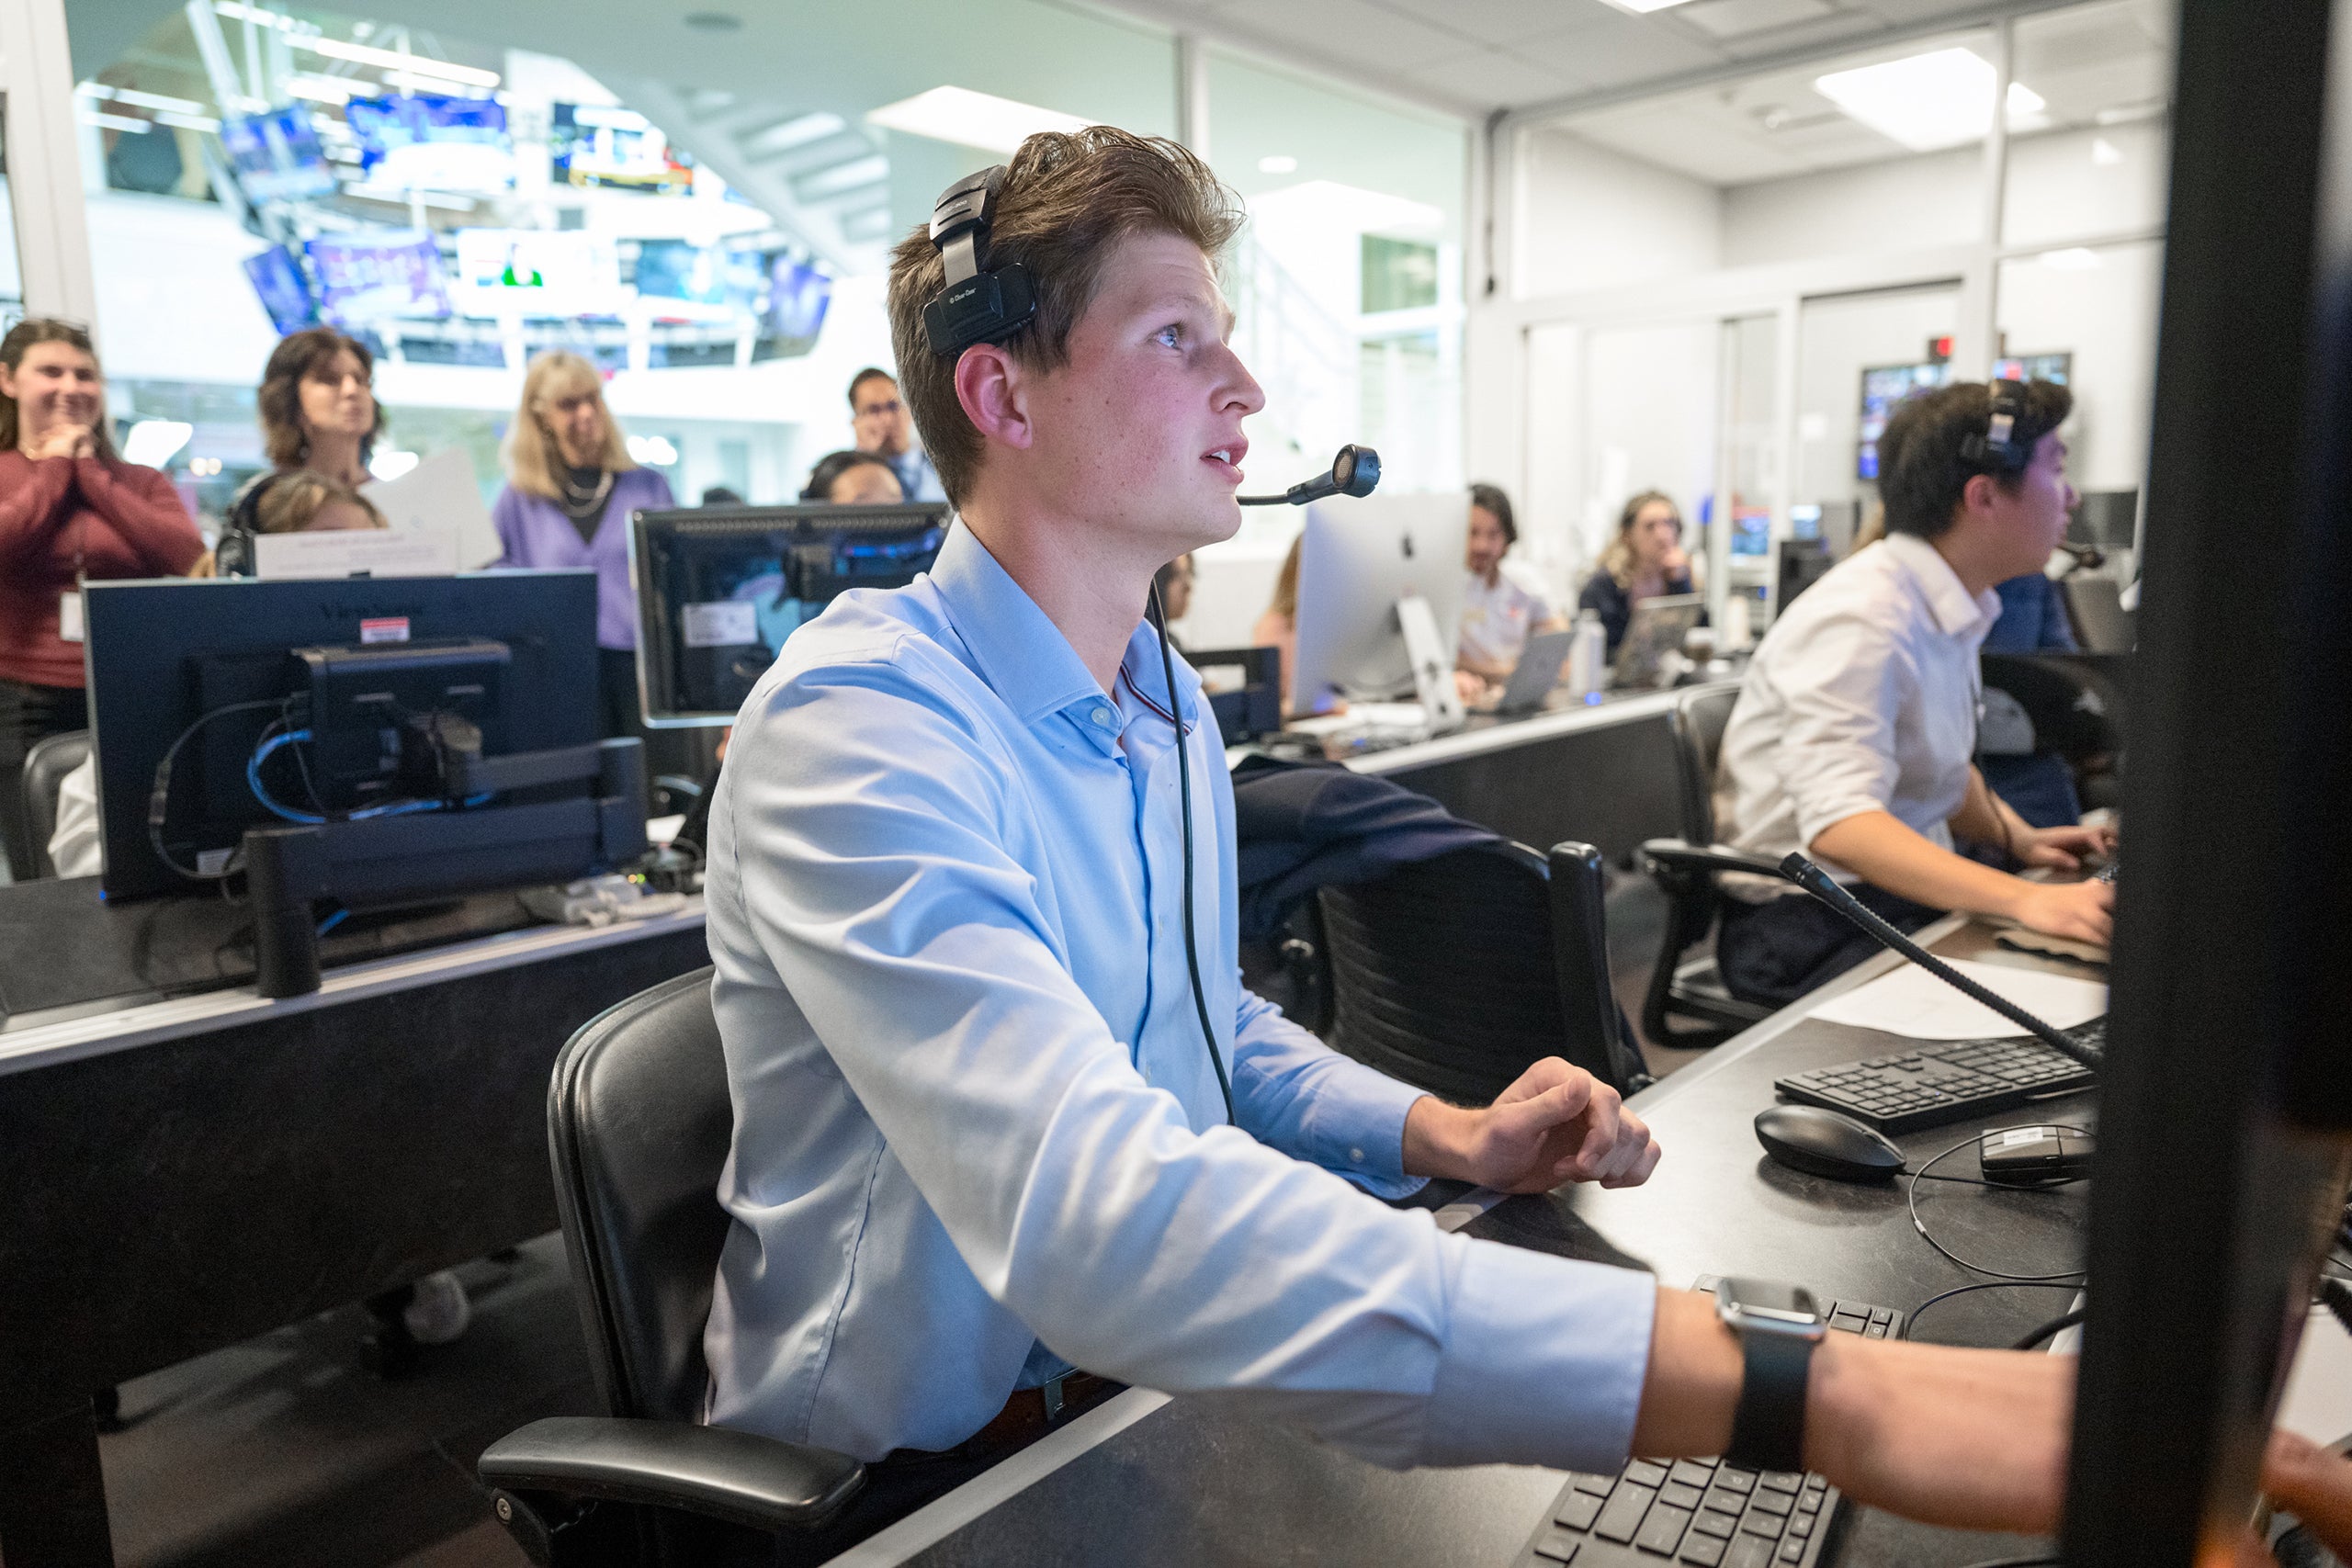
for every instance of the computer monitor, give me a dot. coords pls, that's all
(276, 155)
(1885, 387)
(2107, 519)
(719, 588)
(1357, 559)
(284, 291)
(365, 276)
(206, 676)
(433, 141)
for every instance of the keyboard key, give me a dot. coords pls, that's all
(1691, 1472)
(1748, 1552)
(1645, 1473)
(1791, 1550)
(1578, 1510)
(1558, 1546)
(1711, 1522)
(1776, 1504)
(1678, 1495)
(1783, 1481)
(1662, 1531)
(1761, 1524)
(1731, 1478)
(1801, 1525)
(1623, 1515)
(1597, 1485)
(1704, 1551)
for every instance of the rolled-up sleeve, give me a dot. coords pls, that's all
(871, 831)
(1837, 756)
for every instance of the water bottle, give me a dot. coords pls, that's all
(1588, 658)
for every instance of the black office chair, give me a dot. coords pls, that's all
(1456, 974)
(1682, 988)
(46, 764)
(638, 1122)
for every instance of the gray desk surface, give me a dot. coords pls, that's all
(1148, 1480)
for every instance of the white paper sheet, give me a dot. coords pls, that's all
(439, 495)
(1910, 1001)
(2318, 1402)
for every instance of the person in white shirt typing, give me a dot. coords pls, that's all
(980, 1138)
(1857, 721)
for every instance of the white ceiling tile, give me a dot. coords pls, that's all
(1350, 31)
(1621, 52)
(1493, 80)
(1733, 19)
(1830, 29)
(1506, 22)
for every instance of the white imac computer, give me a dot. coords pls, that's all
(1380, 583)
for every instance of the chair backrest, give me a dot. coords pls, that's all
(2096, 606)
(1700, 717)
(46, 764)
(638, 1125)
(1447, 975)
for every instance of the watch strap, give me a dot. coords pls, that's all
(1768, 1426)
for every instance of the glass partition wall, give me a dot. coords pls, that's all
(1840, 233)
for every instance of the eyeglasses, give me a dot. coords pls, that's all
(894, 406)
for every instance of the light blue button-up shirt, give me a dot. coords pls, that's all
(974, 1116)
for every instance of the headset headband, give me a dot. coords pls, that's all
(977, 305)
(1998, 450)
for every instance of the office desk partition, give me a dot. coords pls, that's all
(181, 1175)
(1145, 1481)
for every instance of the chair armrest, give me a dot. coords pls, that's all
(1673, 854)
(741, 1477)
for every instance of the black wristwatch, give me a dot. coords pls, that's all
(1778, 1327)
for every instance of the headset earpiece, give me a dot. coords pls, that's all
(977, 305)
(1997, 450)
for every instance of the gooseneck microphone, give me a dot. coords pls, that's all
(1817, 882)
(1353, 472)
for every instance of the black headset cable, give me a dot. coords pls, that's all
(1184, 795)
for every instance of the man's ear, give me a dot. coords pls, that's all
(993, 389)
(1980, 493)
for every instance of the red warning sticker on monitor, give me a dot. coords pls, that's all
(384, 628)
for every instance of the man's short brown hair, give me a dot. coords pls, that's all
(1922, 471)
(1068, 199)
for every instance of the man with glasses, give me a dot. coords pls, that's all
(885, 428)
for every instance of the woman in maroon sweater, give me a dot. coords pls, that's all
(70, 509)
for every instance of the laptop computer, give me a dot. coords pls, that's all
(1656, 630)
(1537, 672)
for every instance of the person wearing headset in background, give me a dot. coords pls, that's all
(853, 478)
(878, 413)
(968, 1072)
(571, 486)
(1646, 560)
(70, 509)
(1857, 717)
(1500, 612)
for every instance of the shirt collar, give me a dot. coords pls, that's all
(1021, 653)
(1957, 611)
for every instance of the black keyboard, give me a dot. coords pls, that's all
(1700, 1513)
(1950, 1080)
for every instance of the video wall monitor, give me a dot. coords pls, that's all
(679, 269)
(431, 141)
(1357, 558)
(277, 156)
(1885, 386)
(285, 291)
(601, 144)
(207, 695)
(2054, 368)
(797, 298)
(365, 276)
(719, 588)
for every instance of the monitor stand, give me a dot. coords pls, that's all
(1432, 663)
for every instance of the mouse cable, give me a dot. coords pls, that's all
(1911, 1201)
(2050, 1330)
(1184, 795)
(1912, 1321)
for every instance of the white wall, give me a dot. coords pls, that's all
(1906, 204)
(2106, 313)
(1589, 217)
(1836, 338)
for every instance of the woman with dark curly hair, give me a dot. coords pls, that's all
(318, 405)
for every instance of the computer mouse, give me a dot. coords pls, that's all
(1826, 1143)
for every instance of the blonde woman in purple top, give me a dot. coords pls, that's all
(571, 486)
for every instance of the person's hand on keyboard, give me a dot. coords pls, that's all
(1557, 1123)
(2083, 911)
(2064, 849)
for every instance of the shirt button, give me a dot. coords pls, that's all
(1356, 1154)
(1103, 717)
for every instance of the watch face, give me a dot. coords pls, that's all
(1766, 1302)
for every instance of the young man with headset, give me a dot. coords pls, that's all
(1856, 729)
(980, 1138)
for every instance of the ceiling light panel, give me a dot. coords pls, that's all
(1942, 98)
(970, 119)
